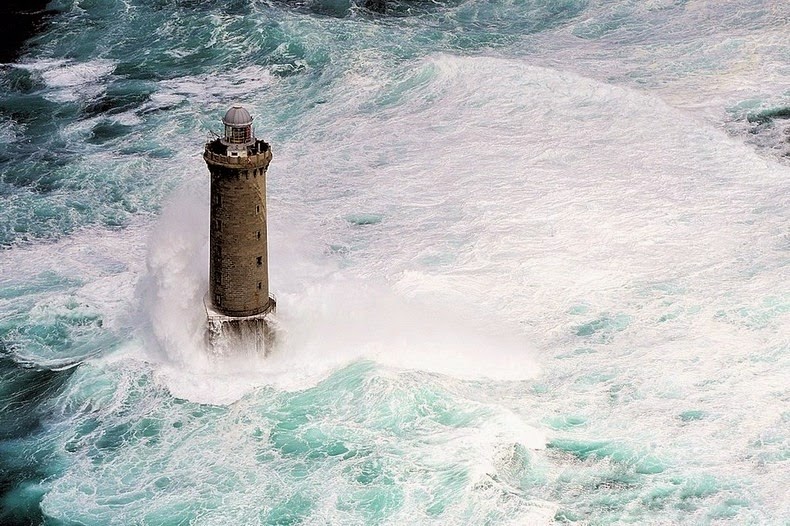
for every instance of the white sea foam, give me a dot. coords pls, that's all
(319, 329)
(90, 283)
(70, 80)
(523, 215)
(215, 89)
(535, 197)
(595, 216)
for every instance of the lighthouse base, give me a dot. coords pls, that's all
(231, 335)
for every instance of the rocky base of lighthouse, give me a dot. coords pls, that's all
(230, 335)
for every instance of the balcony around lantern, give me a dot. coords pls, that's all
(253, 154)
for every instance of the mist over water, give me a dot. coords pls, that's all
(530, 262)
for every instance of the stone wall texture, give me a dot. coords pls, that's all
(239, 263)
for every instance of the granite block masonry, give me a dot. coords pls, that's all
(238, 301)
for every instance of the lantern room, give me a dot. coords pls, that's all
(238, 126)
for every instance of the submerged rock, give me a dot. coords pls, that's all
(21, 20)
(379, 6)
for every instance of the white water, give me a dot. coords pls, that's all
(514, 196)
(533, 245)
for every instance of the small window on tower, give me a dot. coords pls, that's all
(259, 260)
(217, 299)
(257, 209)
(259, 234)
(219, 200)
(259, 285)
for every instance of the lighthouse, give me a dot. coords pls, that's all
(238, 303)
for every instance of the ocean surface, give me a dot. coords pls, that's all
(531, 260)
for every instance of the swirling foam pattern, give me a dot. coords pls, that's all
(531, 263)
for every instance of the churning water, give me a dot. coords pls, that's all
(531, 259)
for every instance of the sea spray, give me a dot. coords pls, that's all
(172, 290)
(325, 328)
(554, 185)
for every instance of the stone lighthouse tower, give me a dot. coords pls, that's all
(238, 299)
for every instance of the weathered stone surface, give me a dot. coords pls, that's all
(238, 275)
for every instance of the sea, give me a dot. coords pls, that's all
(531, 261)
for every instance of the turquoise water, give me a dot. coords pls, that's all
(530, 259)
